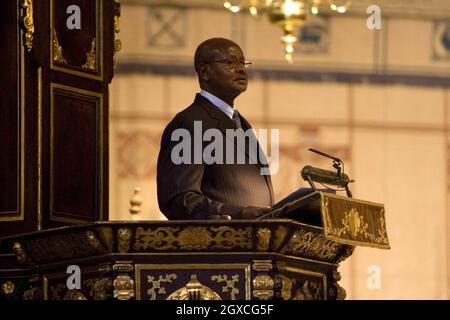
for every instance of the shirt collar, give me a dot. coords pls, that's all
(219, 103)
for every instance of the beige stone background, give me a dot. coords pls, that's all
(379, 99)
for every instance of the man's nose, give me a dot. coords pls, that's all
(241, 68)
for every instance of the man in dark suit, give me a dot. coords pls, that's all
(200, 189)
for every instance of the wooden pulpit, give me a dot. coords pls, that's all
(195, 260)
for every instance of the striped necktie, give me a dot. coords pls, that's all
(237, 120)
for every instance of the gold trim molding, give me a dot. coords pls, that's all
(117, 42)
(18, 214)
(93, 67)
(193, 238)
(57, 50)
(39, 158)
(263, 235)
(98, 99)
(91, 58)
(28, 23)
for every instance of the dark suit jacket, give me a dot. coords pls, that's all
(195, 191)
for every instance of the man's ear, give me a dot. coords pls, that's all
(203, 72)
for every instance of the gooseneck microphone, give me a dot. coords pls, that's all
(338, 178)
(325, 176)
(325, 155)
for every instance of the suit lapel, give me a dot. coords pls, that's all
(223, 122)
(261, 154)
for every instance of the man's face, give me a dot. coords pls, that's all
(227, 74)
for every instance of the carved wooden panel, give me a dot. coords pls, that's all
(214, 281)
(76, 51)
(54, 112)
(302, 284)
(76, 154)
(10, 117)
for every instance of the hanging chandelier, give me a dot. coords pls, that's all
(288, 14)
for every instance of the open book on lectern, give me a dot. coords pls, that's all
(303, 199)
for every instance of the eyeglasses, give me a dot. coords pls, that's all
(232, 63)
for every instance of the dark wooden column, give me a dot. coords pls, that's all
(54, 113)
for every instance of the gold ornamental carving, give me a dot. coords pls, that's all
(123, 239)
(354, 228)
(33, 294)
(345, 253)
(57, 50)
(352, 223)
(194, 290)
(123, 287)
(161, 238)
(262, 265)
(8, 287)
(341, 294)
(229, 284)
(263, 282)
(93, 241)
(263, 236)
(263, 287)
(73, 294)
(156, 287)
(117, 42)
(123, 266)
(280, 235)
(102, 288)
(316, 290)
(28, 23)
(106, 234)
(56, 291)
(90, 63)
(307, 243)
(99, 288)
(303, 293)
(286, 288)
(193, 238)
(89, 286)
(20, 253)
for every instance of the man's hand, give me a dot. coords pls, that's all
(253, 212)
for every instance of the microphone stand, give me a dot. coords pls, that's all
(337, 166)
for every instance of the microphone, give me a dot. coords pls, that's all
(325, 155)
(337, 178)
(325, 176)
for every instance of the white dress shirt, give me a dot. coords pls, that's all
(219, 103)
